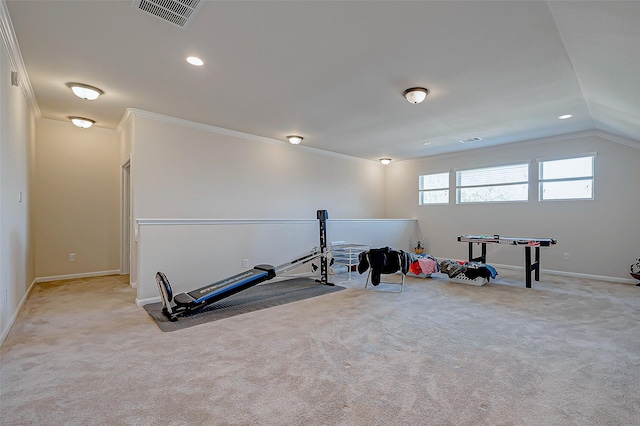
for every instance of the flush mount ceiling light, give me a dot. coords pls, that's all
(193, 60)
(85, 91)
(294, 140)
(83, 123)
(385, 161)
(565, 116)
(415, 95)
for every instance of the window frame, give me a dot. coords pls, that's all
(542, 181)
(447, 188)
(526, 182)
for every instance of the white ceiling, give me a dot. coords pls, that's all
(334, 71)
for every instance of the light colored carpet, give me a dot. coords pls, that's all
(566, 352)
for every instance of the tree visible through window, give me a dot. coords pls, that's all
(493, 184)
(434, 188)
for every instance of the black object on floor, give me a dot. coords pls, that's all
(256, 298)
(183, 304)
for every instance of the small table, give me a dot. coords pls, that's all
(527, 242)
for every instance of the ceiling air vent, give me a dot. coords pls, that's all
(476, 139)
(176, 12)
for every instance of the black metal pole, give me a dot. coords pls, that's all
(527, 265)
(324, 268)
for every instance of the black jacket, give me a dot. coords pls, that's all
(383, 261)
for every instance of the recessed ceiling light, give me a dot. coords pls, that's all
(85, 91)
(83, 123)
(564, 117)
(194, 60)
(426, 143)
(385, 161)
(294, 140)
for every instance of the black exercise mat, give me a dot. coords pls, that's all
(253, 299)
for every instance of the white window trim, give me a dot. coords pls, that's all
(513, 163)
(448, 188)
(568, 157)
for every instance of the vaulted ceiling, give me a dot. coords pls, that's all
(334, 71)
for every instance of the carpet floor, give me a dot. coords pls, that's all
(566, 352)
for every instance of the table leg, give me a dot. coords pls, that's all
(537, 264)
(527, 265)
(482, 258)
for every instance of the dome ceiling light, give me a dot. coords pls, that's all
(294, 140)
(415, 95)
(85, 91)
(83, 123)
(385, 161)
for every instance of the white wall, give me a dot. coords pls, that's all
(184, 171)
(77, 201)
(602, 236)
(187, 171)
(193, 253)
(16, 169)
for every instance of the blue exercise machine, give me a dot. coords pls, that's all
(188, 303)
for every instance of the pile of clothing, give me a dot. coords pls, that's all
(471, 270)
(424, 264)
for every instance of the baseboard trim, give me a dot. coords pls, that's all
(572, 274)
(7, 329)
(142, 302)
(80, 275)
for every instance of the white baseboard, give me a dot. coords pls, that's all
(142, 302)
(7, 329)
(80, 275)
(572, 274)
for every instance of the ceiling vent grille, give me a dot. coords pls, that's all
(176, 12)
(476, 139)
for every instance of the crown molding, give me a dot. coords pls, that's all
(126, 117)
(617, 139)
(54, 122)
(131, 112)
(15, 57)
(523, 143)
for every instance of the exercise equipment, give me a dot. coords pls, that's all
(634, 269)
(183, 304)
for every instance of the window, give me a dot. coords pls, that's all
(434, 188)
(567, 179)
(493, 184)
